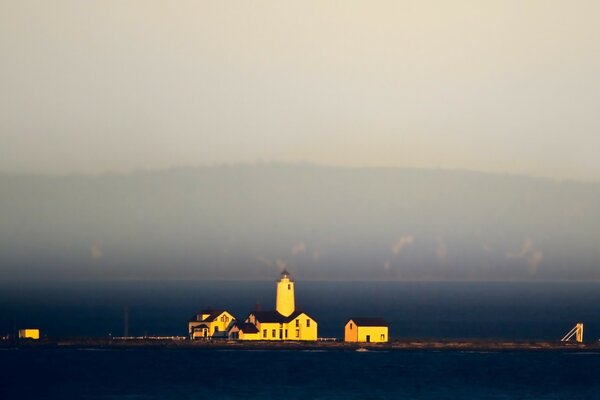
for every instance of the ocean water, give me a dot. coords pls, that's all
(216, 374)
(521, 311)
(517, 311)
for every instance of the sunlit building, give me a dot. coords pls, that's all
(366, 329)
(29, 333)
(209, 324)
(244, 331)
(285, 322)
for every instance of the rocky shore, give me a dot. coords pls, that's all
(396, 345)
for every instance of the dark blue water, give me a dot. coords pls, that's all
(524, 311)
(213, 374)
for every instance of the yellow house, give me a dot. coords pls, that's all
(244, 331)
(29, 333)
(210, 324)
(272, 325)
(301, 326)
(366, 329)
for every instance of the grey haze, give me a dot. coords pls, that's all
(249, 221)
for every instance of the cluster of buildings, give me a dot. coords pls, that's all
(283, 323)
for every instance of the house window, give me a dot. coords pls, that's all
(289, 286)
(297, 323)
(308, 323)
(264, 333)
(274, 333)
(224, 318)
(382, 336)
(286, 333)
(350, 325)
(298, 333)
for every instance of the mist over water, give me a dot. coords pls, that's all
(520, 311)
(76, 250)
(250, 221)
(395, 104)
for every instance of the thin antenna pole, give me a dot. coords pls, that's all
(126, 321)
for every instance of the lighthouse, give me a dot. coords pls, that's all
(284, 303)
(283, 323)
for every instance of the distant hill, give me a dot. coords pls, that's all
(247, 222)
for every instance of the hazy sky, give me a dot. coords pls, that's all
(251, 222)
(504, 86)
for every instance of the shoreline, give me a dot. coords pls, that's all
(396, 345)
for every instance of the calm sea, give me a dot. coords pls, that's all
(214, 374)
(413, 310)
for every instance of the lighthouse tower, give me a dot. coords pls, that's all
(285, 295)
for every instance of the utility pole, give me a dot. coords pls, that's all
(126, 322)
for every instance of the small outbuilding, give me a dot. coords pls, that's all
(244, 331)
(29, 333)
(366, 329)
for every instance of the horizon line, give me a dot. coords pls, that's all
(306, 164)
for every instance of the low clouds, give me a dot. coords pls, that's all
(526, 247)
(316, 255)
(301, 248)
(282, 264)
(528, 252)
(277, 265)
(96, 252)
(264, 260)
(298, 248)
(534, 260)
(402, 243)
(441, 251)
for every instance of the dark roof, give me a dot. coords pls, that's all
(198, 316)
(268, 316)
(295, 314)
(275, 317)
(286, 274)
(247, 327)
(212, 315)
(201, 326)
(369, 321)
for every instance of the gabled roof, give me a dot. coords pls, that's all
(201, 326)
(275, 317)
(296, 314)
(369, 321)
(247, 327)
(268, 316)
(212, 314)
